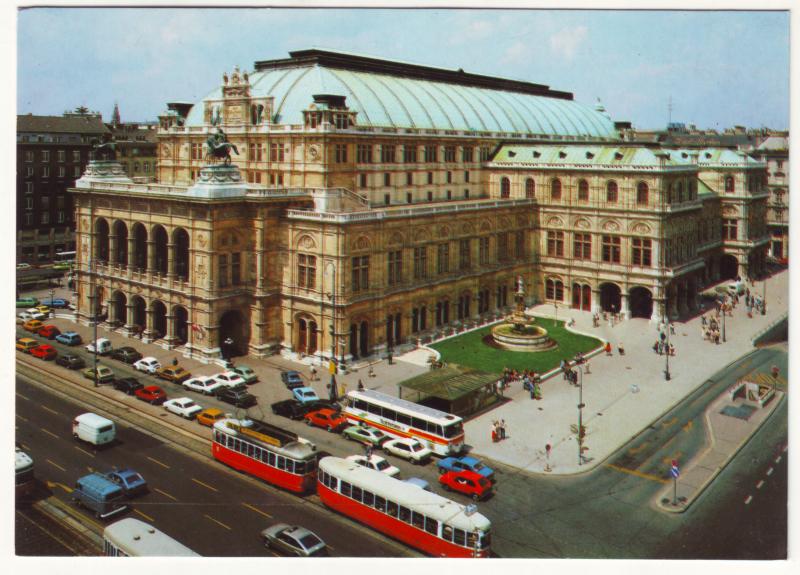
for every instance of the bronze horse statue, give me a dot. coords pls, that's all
(104, 149)
(218, 147)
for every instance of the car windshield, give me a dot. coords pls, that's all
(416, 447)
(189, 404)
(310, 540)
(478, 466)
(381, 465)
(134, 478)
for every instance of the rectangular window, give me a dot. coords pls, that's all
(395, 276)
(430, 177)
(409, 178)
(409, 198)
(519, 244)
(464, 256)
(223, 271)
(45, 155)
(485, 151)
(364, 154)
(443, 258)
(29, 156)
(29, 171)
(642, 252)
(28, 187)
(387, 199)
(197, 151)
(61, 171)
(449, 153)
(44, 202)
(420, 263)
(76, 171)
(387, 154)
(45, 218)
(467, 154)
(341, 153)
(582, 247)
(430, 196)
(236, 268)
(555, 244)
(449, 177)
(61, 155)
(502, 247)
(28, 203)
(466, 177)
(730, 229)
(410, 154)
(46, 171)
(360, 273)
(431, 154)
(76, 155)
(611, 249)
(387, 179)
(362, 180)
(483, 251)
(277, 152)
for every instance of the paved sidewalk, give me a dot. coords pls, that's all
(727, 435)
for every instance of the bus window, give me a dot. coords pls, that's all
(372, 408)
(360, 404)
(453, 430)
(368, 498)
(391, 508)
(405, 514)
(380, 503)
(404, 419)
(356, 493)
(460, 537)
(389, 414)
(431, 526)
(346, 489)
(420, 424)
(417, 520)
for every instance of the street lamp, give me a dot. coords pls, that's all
(667, 375)
(764, 299)
(580, 415)
(723, 325)
(52, 293)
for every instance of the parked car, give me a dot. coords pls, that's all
(24, 317)
(204, 384)
(173, 373)
(375, 462)
(292, 379)
(49, 331)
(183, 406)
(70, 361)
(305, 394)
(33, 325)
(152, 394)
(44, 351)
(128, 385)
(294, 540)
(45, 309)
(408, 448)
(466, 482)
(465, 463)
(58, 266)
(237, 396)
(131, 482)
(210, 416)
(147, 364)
(366, 435)
(230, 379)
(248, 375)
(102, 345)
(104, 374)
(125, 354)
(27, 302)
(36, 313)
(57, 303)
(69, 338)
(290, 408)
(326, 419)
(26, 344)
(22, 266)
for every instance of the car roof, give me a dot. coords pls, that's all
(212, 411)
(304, 388)
(467, 474)
(153, 388)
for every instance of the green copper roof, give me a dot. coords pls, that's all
(720, 156)
(384, 100)
(587, 156)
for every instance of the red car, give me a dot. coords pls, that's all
(49, 331)
(466, 482)
(44, 351)
(326, 418)
(152, 394)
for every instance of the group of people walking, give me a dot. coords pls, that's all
(498, 430)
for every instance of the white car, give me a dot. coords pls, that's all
(375, 462)
(24, 316)
(147, 364)
(35, 313)
(204, 384)
(183, 406)
(103, 345)
(230, 379)
(408, 448)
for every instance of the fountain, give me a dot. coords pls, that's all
(519, 332)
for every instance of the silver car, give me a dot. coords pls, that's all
(294, 540)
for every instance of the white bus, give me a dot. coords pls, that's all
(131, 537)
(23, 466)
(442, 432)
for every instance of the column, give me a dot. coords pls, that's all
(131, 252)
(170, 338)
(111, 318)
(129, 325)
(151, 256)
(596, 301)
(112, 251)
(171, 261)
(624, 308)
(658, 310)
(260, 260)
(147, 335)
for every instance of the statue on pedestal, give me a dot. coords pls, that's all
(218, 147)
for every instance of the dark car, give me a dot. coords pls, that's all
(237, 396)
(70, 361)
(290, 408)
(125, 354)
(128, 385)
(292, 379)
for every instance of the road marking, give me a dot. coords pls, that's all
(165, 493)
(635, 450)
(164, 465)
(49, 433)
(688, 426)
(48, 409)
(264, 513)
(64, 543)
(672, 421)
(86, 452)
(23, 396)
(638, 473)
(218, 522)
(22, 418)
(748, 500)
(760, 484)
(204, 484)
(55, 465)
(786, 448)
(143, 515)
(778, 459)
(770, 470)
(51, 484)
(25, 447)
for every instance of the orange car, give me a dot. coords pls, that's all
(174, 373)
(33, 325)
(210, 416)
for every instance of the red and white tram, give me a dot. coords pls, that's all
(419, 518)
(277, 456)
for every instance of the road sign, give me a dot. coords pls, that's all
(674, 471)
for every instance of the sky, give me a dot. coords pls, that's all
(719, 68)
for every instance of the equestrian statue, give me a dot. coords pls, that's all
(218, 147)
(104, 149)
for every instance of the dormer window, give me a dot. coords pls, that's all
(342, 121)
(618, 155)
(589, 155)
(537, 154)
(562, 154)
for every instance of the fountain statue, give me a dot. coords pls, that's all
(519, 332)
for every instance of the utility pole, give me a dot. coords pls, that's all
(667, 375)
(580, 415)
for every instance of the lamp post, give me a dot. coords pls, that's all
(52, 293)
(667, 375)
(764, 299)
(332, 297)
(723, 326)
(580, 415)
(93, 303)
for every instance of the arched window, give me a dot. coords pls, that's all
(669, 193)
(505, 188)
(583, 191)
(692, 190)
(642, 193)
(554, 290)
(612, 192)
(729, 185)
(555, 190)
(680, 192)
(530, 188)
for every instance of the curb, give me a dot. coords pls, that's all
(61, 513)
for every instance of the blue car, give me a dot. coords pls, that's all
(56, 303)
(465, 463)
(305, 395)
(69, 338)
(131, 482)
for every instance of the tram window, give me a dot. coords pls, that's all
(417, 520)
(389, 414)
(251, 450)
(420, 424)
(289, 465)
(311, 465)
(404, 419)
(361, 404)
(368, 498)
(356, 493)
(380, 503)
(237, 445)
(447, 533)
(391, 508)
(271, 459)
(299, 467)
(281, 464)
(460, 537)
(346, 489)
(217, 435)
(405, 514)
(472, 540)
(431, 526)
(322, 477)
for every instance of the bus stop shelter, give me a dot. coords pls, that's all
(455, 389)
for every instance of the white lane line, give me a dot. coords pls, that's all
(778, 459)
(760, 484)
(786, 448)
(748, 500)
(769, 471)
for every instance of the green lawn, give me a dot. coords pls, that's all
(470, 351)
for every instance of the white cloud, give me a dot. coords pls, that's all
(567, 41)
(517, 53)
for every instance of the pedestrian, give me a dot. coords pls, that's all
(621, 349)
(371, 373)
(703, 320)
(360, 385)
(174, 361)
(537, 390)
(499, 386)
(716, 337)
(313, 373)
(608, 348)
(655, 347)
(672, 329)
(494, 432)
(564, 368)
(502, 429)
(671, 349)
